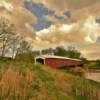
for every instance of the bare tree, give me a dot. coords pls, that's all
(7, 33)
(15, 45)
(23, 47)
(9, 41)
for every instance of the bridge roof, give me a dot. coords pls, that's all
(55, 57)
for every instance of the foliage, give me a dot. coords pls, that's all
(60, 51)
(71, 52)
(98, 63)
(28, 56)
(93, 64)
(48, 51)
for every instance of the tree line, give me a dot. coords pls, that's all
(70, 52)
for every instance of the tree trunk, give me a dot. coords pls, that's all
(3, 47)
(3, 50)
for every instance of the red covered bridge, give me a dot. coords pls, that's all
(58, 61)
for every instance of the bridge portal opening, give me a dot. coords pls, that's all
(40, 60)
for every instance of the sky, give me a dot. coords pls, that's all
(52, 23)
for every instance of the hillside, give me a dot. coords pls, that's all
(20, 80)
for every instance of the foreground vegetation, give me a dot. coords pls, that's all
(20, 80)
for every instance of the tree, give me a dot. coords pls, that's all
(48, 51)
(10, 42)
(60, 51)
(7, 33)
(24, 47)
(70, 52)
(15, 46)
(23, 52)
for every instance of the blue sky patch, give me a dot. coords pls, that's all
(39, 11)
(68, 14)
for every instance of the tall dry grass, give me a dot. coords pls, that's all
(26, 81)
(15, 85)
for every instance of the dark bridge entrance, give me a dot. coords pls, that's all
(39, 60)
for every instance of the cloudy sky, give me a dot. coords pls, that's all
(51, 23)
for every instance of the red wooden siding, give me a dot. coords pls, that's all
(58, 63)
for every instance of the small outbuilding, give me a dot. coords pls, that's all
(58, 61)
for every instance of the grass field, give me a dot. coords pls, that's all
(20, 80)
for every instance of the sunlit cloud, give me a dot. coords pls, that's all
(66, 28)
(92, 28)
(80, 33)
(6, 5)
(91, 51)
(14, 11)
(83, 32)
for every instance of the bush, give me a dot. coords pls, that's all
(29, 57)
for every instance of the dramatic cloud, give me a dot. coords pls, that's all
(59, 19)
(23, 19)
(91, 51)
(60, 6)
(84, 32)
(6, 5)
(81, 33)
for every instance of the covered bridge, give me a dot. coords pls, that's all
(58, 61)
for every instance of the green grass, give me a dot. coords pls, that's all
(25, 81)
